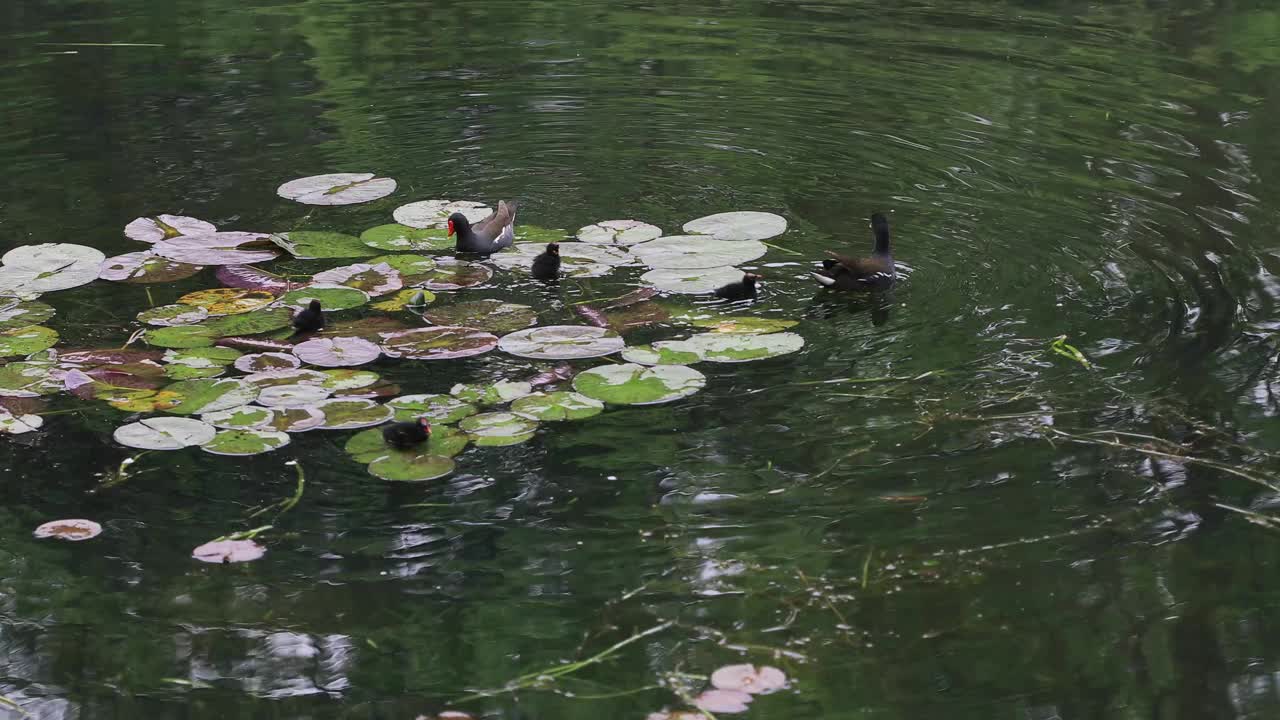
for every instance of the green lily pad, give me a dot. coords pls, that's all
(410, 466)
(453, 274)
(173, 315)
(493, 316)
(314, 245)
(562, 342)
(26, 340)
(560, 405)
(438, 409)
(691, 282)
(498, 429)
(337, 189)
(204, 396)
(272, 378)
(202, 357)
(180, 336)
(245, 417)
(342, 414)
(374, 280)
(260, 362)
(438, 343)
(402, 238)
(14, 314)
(164, 433)
(368, 445)
(412, 268)
(498, 393)
(228, 301)
(296, 419)
(435, 213)
(340, 379)
(405, 299)
(738, 226)
(738, 324)
(28, 379)
(245, 442)
(664, 352)
(186, 372)
(331, 297)
(253, 323)
(632, 384)
(618, 232)
(535, 234)
(742, 347)
(287, 396)
(685, 252)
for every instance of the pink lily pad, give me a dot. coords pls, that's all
(145, 267)
(228, 551)
(438, 343)
(749, 678)
(162, 227)
(723, 701)
(224, 248)
(75, 529)
(337, 352)
(251, 278)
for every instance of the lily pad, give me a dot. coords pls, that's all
(220, 552)
(405, 299)
(296, 419)
(252, 278)
(164, 433)
(288, 396)
(314, 245)
(439, 409)
(403, 238)
(33, 269)
(692, 282)
(245, 417)
(245, 442)
(498, 429)
(258, 362)
(409, 466)
(272, 378)
(341, 379)
(18, 424)
(29, 379)
(491, 315)
(579, 251)
(14, 314)
(228, 301)
(664, 352)
(498, 393)
(331, 297)
(535, 234)
(162, 227)
(749, 678)
(258, 321)
(561, 405)
(344, 414)
(723, 701)
(453, 274)
(26, 340)
(180, 336)
(412, 268)
(145, 267)
(745, 324)
(337, 352)
(205, 396)
(435, 213)
(224, 248)
(743, 347)
(202, 357)
(173, 315)
(368, 445)
(337, 189)
(256, 344)
(74, 529)
(736, 226)
(438, 343)
(632, 384)
(377, 279)
(686, 252)
(619, 232)
(562, 342)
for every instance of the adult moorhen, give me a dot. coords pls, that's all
(490, 234)
(309, 320)
(840, 272)
(744, 289)
(547, 265)
(404, 435)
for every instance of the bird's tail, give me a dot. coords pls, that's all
(823, 280)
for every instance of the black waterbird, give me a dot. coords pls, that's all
(404, 435)
(744, 289)
(877, 272)
(490, 234)
(309, 320)
(547, 265)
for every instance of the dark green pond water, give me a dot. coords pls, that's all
(967, 525)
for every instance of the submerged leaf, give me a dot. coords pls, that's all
(173, 315)
(453, 274)
(15, 314)
(729, 324)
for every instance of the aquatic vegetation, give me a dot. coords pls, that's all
(337, 189)
(75, 530)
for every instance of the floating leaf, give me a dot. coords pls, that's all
(744, 225)
(410, 466)
(562, 342)
(618, 232)
(438, 409)
(245, 442)
(369, 445)
(74, 529)
(637, 316)
(135, 400)
(296, 419)
(331, 297)
(258, 321)
(412, 268)
(204, 396)
(201, 358)
(377, 279)
(749, 325)
(369, 327)
(163, 227)
(435, 213)
(164, 433)
(11, 424)
(256, 344)
(272, 378)
(453, 274)
(749, 678)
(580, 251)
(251, 278)
(723, 701)
(438, 343)
(692, 282)
(245, 417)
(632, 384)
(347, 414)
(173, 315)
(14, 314)
(26, 340)
(337, 189)
(228, 551)
(573, 267)
(28, 379)
(259, 362)
(499, 393)
(556, 406)
(181, 336)
(348, 379)
(743, 347)
(498, 429)
(314, 245)
(493, 316)
(412, 297)
(337, 352)
(145, 267)
(686, 252)
(228, 301)
(224, 248)
(108, 356)
(33, 269)
(372, 392)
(664, 352)
(397, 237)
(288, 396)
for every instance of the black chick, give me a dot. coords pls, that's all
(547, 265)
(309, 320)
(744, 289)
(404, 435)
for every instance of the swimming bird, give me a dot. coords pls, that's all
(841, 272)
(744, 289)
(309, 320)
(547, 265)
(404, 435)
(490, 234)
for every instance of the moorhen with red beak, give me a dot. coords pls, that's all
(744, 289)
(404, 435)
(877, 272)
(490, 234)
(547, 265)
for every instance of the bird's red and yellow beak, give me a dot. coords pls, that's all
(450, 229)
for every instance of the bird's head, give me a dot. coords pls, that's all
(553, 248)
(457, 223)
(314, 306)
(751, 278)
(425, 425)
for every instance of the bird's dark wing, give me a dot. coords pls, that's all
(500, 219)
(860, 266)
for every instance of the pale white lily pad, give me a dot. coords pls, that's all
(742, 225)
(342, 414)
(723, 702)
(686, 252)
(498, 429)
(556, 406)
(145, 267)
(337, 352)
(340, 379)
(337, 189)
(439, 409)
(664, 352)
(296, 419)
(245, 417)
(438, 343)
(378, 279)
(691, 282)
(454, 274)
(73, 529)
(11, 424)
(220, 552)
(268, 378)
(562, 342)
(33, 269)
(265, 362)
(632, 384)
(245, 442)
(173, 315)
(619, 232)
(499, 393)
(224, 248)
(162, 227)
(403, 238)
(288, 396)
(164, 433)
(744, 347)
(435, 213)
(569, 267)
